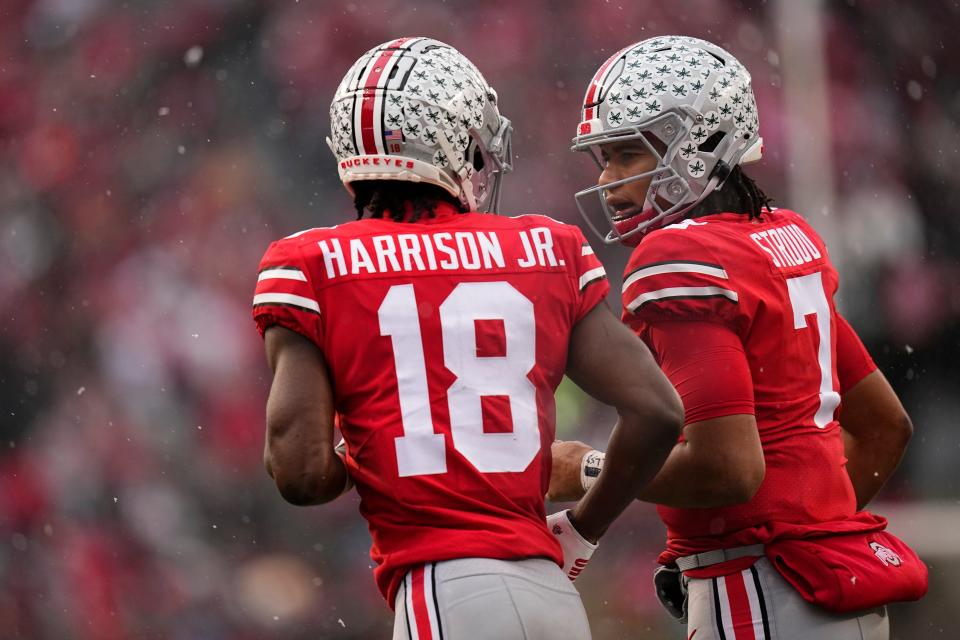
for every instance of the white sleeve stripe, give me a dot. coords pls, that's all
(675, 267)
(590, 276)
(286, 298)
(587, 250)
(300, 233)
(285, 273)
(681, 292)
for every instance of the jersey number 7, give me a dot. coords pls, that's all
(808, 297)
(422, 451)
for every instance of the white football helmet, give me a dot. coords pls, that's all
(416, 109)
(691, 96)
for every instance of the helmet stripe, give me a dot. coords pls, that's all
(597, 83)
(370, 139)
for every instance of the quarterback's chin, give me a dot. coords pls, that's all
(628, 222)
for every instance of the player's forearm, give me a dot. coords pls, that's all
(635, 452)
(876, 430)
(872, 460)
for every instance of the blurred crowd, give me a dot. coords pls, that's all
(149, 152)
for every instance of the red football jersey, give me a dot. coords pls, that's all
(446, 339)
(769, 286)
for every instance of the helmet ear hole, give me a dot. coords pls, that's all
(711, 143)
(474, 156)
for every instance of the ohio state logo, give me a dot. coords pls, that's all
(886, 556)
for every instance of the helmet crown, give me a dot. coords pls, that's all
(416, 109)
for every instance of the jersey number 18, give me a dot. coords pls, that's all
(420, 450)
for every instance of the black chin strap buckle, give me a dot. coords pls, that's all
(722, 172)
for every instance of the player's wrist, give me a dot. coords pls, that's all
(590, 467)
(581, 528)
(576, 549)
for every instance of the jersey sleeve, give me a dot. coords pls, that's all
(284, 295)
(706, 363)
(591, 277)
(673, 275)
(853, 360)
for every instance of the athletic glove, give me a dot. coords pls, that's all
(576, 549)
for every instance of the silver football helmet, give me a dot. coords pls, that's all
(416, 109)
(688, 95)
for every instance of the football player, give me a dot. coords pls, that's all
(762, 495)
(436, 334)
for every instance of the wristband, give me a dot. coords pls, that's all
(590, 468)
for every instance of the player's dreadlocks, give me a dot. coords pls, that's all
(383, 198)
(740, 194)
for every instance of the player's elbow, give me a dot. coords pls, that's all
(736, 478)
(305, 486)
(304, 473)
(743, 485)
(672, 415)
(667, 420)
(660, 415)
(296, 491)
(654, 432)
(901, 430)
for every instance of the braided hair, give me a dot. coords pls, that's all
(398, 200)
(740, 194)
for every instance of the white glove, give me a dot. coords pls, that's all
(576, 549)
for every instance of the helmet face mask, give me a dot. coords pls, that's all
(416, 109)
(667, 197)
(693, 98)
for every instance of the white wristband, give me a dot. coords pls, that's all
(590, 468)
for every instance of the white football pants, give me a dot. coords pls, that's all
(486, 599)
(758, 604)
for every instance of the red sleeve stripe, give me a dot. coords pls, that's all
(660, 268)
(681, 292)
(289, 299)
(283, 273)
(587, 250)
(592, 276)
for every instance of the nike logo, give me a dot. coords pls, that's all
(692, 633)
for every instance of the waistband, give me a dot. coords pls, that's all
(541, 571)
(707, 558)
